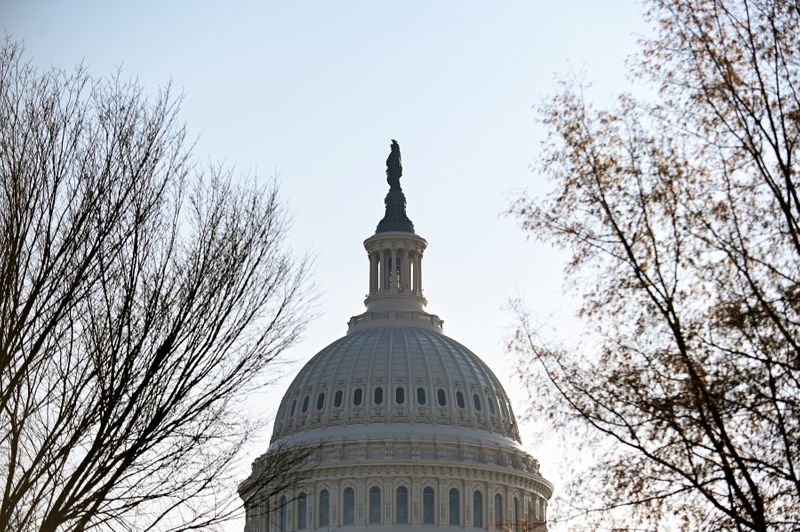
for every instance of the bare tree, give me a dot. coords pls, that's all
(685, 214)
(140, 298)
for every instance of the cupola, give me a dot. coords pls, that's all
(395, 254)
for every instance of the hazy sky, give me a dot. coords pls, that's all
(315, 90)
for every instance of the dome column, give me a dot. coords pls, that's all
(373, 271)
(405, 276)
(384, 270)
(413, 263)
(418, 273)
(393, 277)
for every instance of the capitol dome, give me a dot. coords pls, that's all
(405, 428)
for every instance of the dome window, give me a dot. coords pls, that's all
(441, 397)
(337, 399)
(320, 401)
(428, 513)
(374, 505)
(349, 513)
(358, 396)
(399, 395)
(477, 509)
(401, 504)
(294, 404)
(477, 401)
(284, 513)
(455, 507)
(378, 397)
(490, 402)
(460, 400)
(301, 511)
(498, 511)
(324, 511)
(421, 396)
(305, 404)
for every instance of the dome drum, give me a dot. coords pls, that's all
(412, 468)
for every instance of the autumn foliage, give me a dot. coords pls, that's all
(684, 215)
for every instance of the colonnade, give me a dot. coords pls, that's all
(396, 268)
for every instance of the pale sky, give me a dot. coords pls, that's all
(316, 90)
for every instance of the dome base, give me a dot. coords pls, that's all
(395, 318)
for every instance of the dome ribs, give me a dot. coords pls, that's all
(447, 384)
(390, 357)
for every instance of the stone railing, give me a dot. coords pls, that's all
(396, 315)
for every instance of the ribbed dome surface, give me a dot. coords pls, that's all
(395, 375)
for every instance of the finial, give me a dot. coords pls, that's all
(394, 166)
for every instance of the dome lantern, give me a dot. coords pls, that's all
(395, 263)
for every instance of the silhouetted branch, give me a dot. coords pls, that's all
(140, 298)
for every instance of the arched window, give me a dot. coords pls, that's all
(460, 399)
(490, 402)
(530, 516)
(378, 398)
(283, 514)
(441, 397)
(477, 509)
(476, 401)
(516, 514)
(294, 404)
(420, 396)
(531, 513)
(498, 510)
(337, 399)
(320, 401)
(374, 505)
(266, 515)
(324, 508)
(428, 511)
(357, 396)
(455, 507)
(301, 511)
(305, 404)
(399, 395)
(349, 507)
(401, 505)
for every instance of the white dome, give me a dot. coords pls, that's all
(376, 379)
(408, 430)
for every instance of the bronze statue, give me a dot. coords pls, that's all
(395, 218)
(394, 168)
